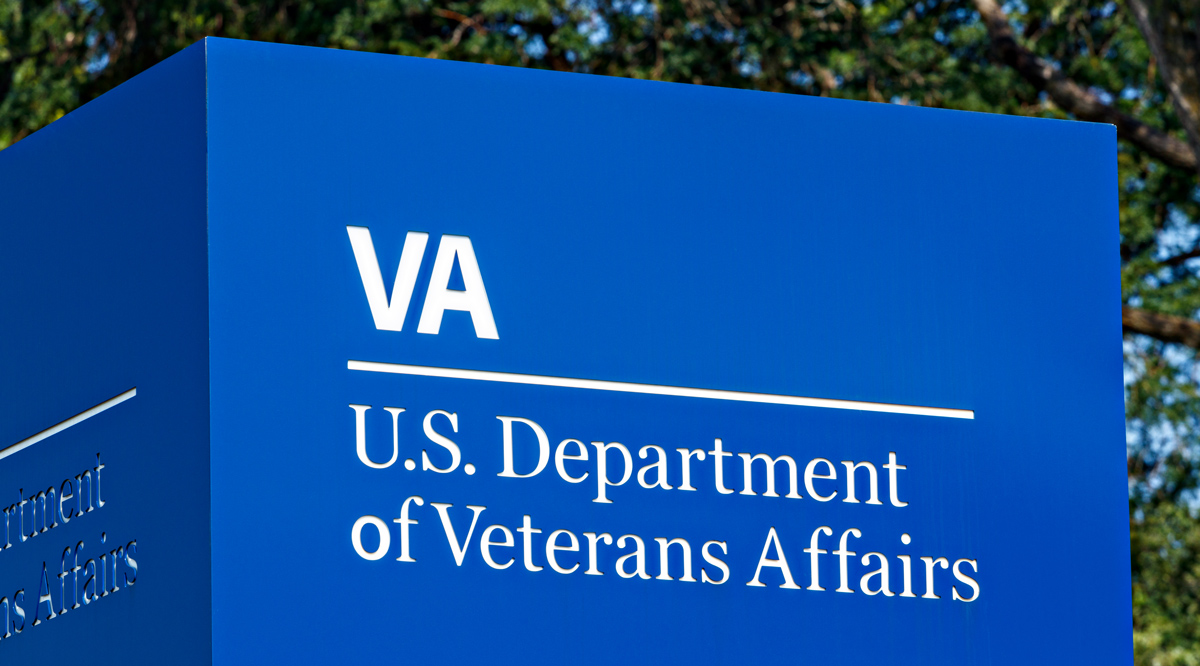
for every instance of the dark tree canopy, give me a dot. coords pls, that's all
(1131, 63)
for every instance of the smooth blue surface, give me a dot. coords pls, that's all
(103, 289)
(674, 235)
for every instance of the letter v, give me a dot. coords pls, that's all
(388, 316)
(459, 551)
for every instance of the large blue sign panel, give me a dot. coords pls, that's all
(311, 356)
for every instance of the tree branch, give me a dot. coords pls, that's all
(1074, 98)
(1175, 65)
(464, 22)
(1181, 258)
(1167, 328)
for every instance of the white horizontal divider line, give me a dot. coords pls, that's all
(74, 420)
(654, 389)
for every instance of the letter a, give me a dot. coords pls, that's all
(781, 563)
(44, 598)
(440, 297)
(388, 316)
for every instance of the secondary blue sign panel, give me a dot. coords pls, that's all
(105, 554)
(529, 367)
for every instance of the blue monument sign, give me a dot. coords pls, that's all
(321, 357)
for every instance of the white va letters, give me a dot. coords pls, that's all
(389, 316)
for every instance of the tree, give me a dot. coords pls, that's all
(1132, 63)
